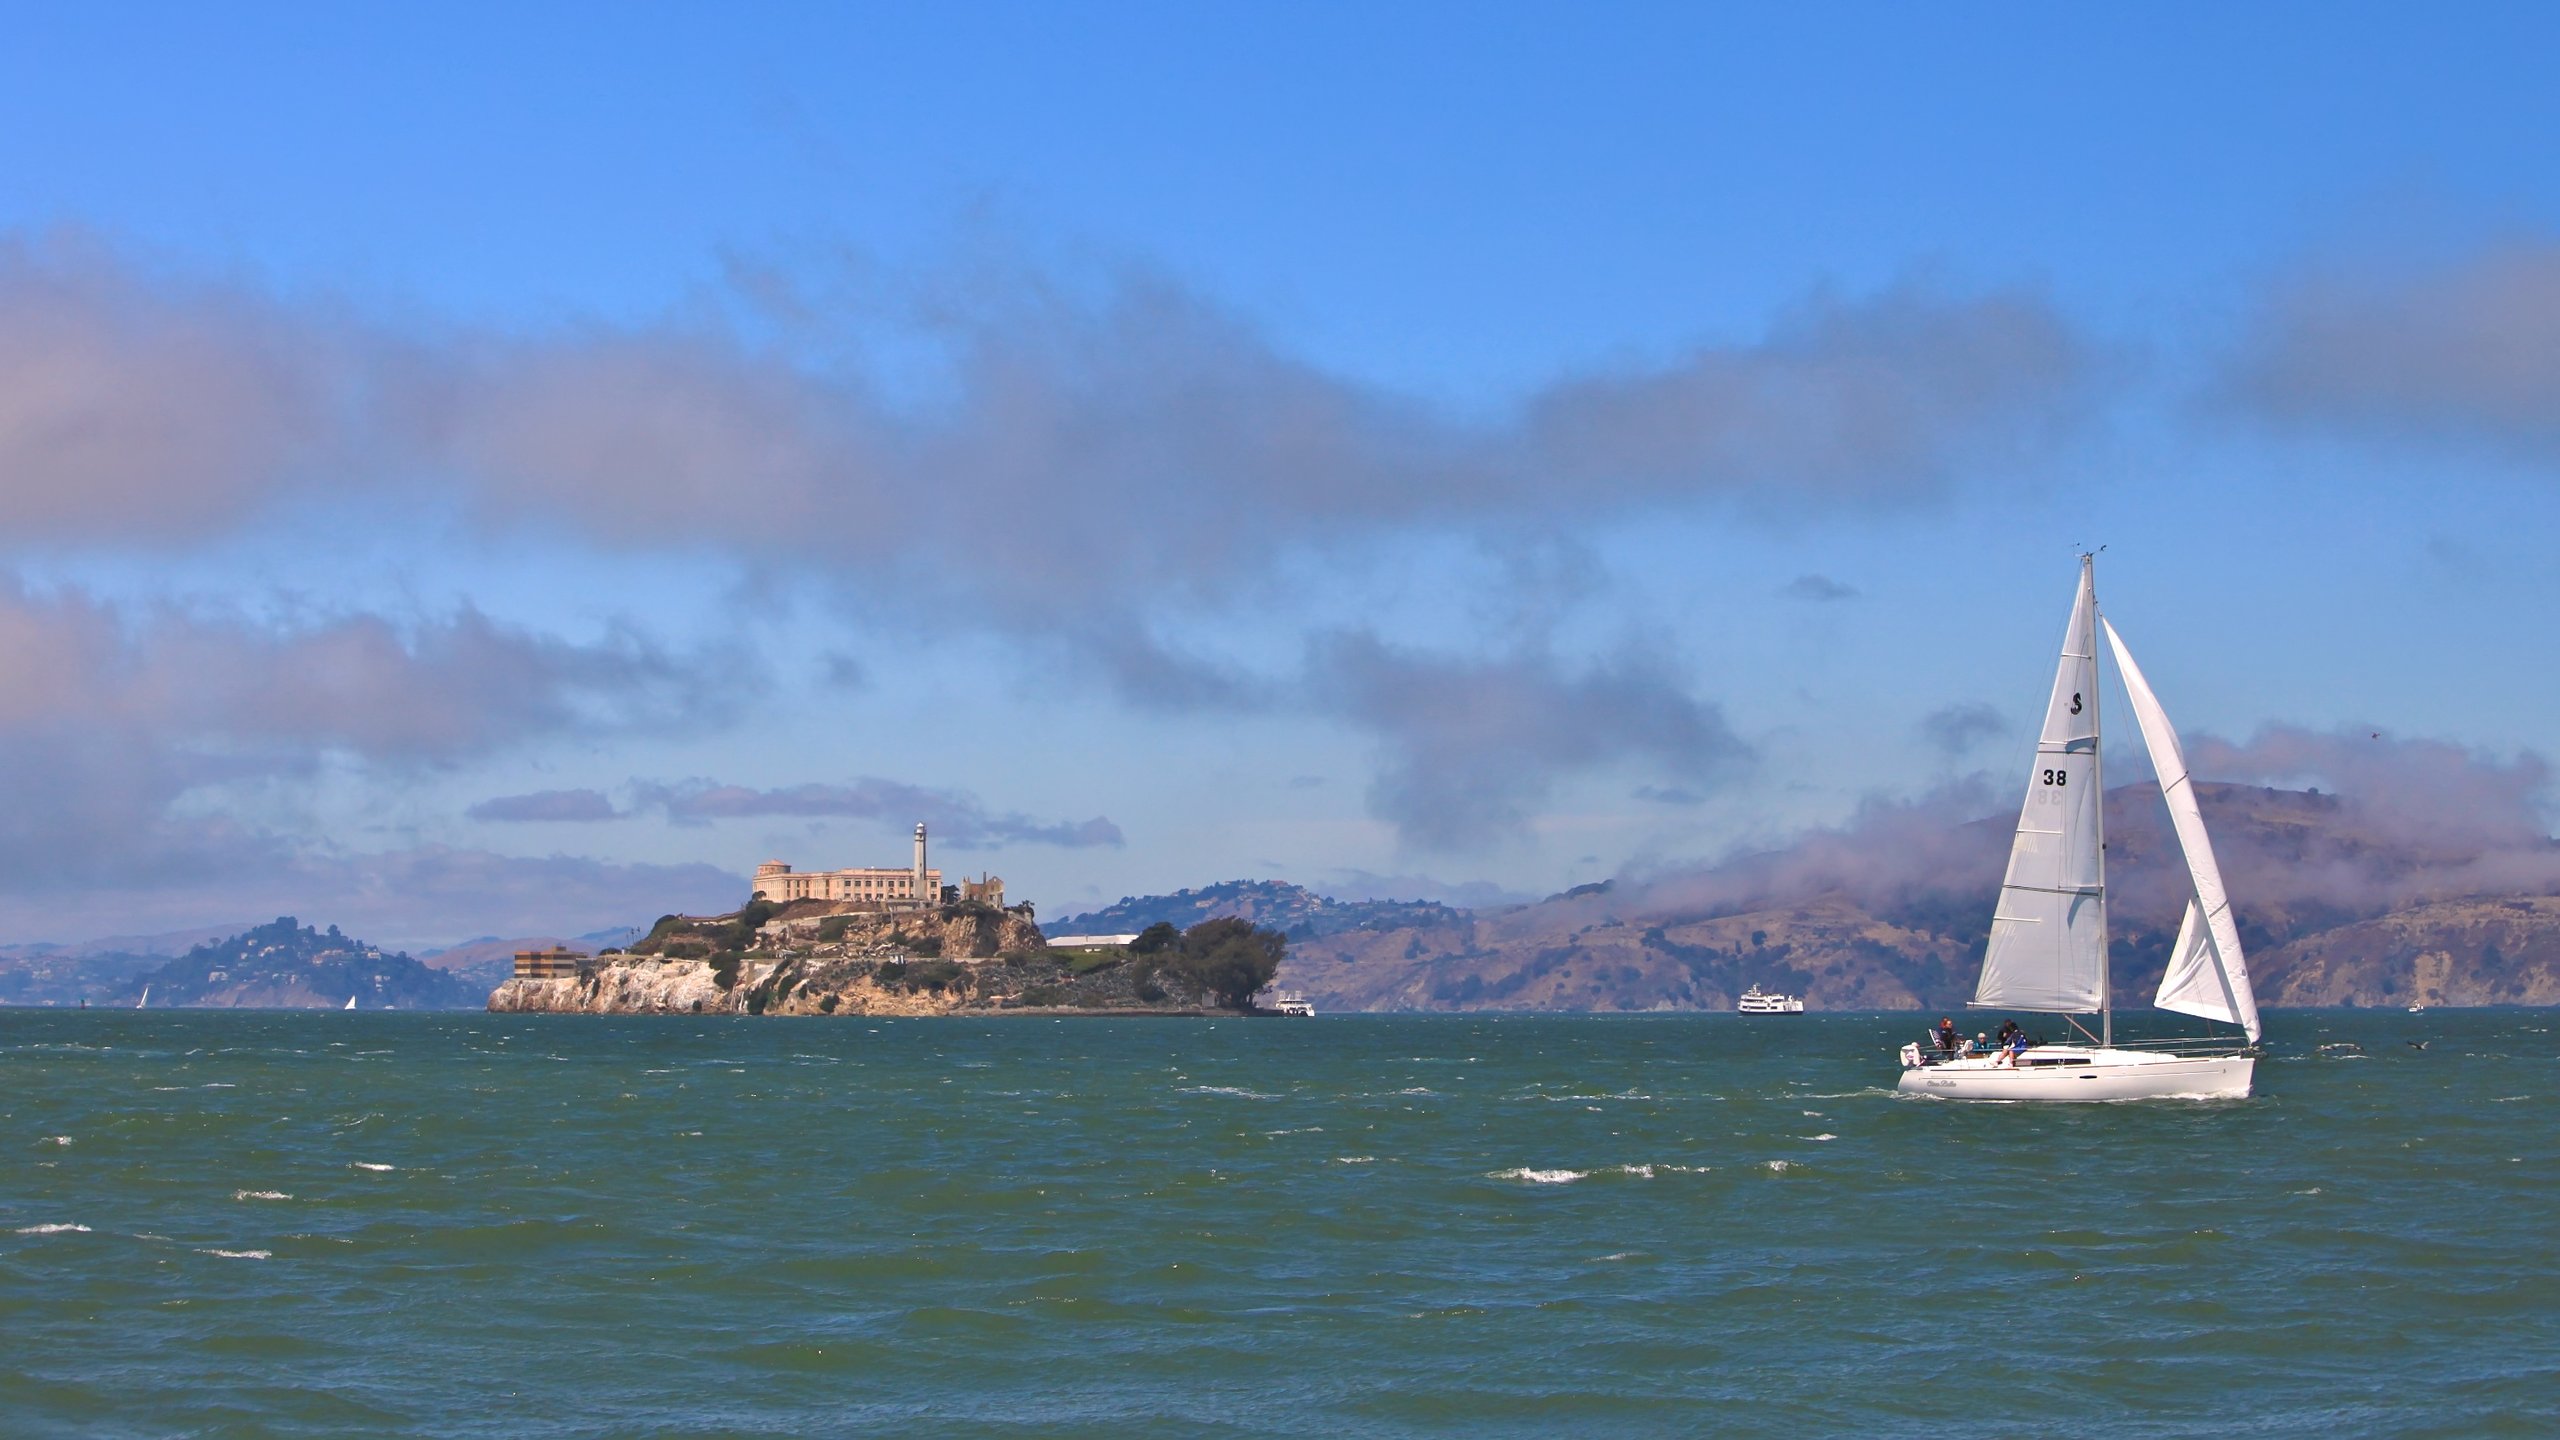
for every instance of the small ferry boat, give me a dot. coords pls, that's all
(1756, 1002)
(1289, 1002)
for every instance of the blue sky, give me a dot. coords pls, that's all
(1434, 449)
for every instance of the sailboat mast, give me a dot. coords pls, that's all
(2098, 787)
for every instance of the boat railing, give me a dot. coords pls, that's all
(2187, 1044)
(1967, 1049)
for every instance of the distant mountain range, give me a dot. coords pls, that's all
(1294, 910)
(282, 964)
(2336, 907)
(2340, 902)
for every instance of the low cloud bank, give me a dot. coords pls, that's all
(413, 898)
(122, 728)
(952, 815)
(2461, 350)
(2395, 822)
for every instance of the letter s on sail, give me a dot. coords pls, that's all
(2075, 702)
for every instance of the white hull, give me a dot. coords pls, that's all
(2053, 1072)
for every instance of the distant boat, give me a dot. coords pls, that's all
(1756, 1001)
(2417, 1009)
(1289, 1002)
(145, 1000)
(351, 1002)
(2048, 950)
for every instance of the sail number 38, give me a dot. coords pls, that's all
(2057, 777)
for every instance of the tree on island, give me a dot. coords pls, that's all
(1225, 960)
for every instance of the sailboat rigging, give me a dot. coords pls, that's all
(2048, 946)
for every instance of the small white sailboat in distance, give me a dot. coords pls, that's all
(351, 1002)
(146, 997)
(2048, 949)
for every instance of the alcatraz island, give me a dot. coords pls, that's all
(895, 942)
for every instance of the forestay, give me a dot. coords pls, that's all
(2207, 974)
(2049, 934)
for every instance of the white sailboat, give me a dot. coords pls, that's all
(351, 1002)
(145, 1000)
(2048, 950)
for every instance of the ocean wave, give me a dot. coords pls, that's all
(1355, 1159)
(55, 1140)
(1780, 1167)
(1825, 1135)
(54, 1227)
(259, 1195)
(240, 1254)
(1529, 1176)
(373, 1165)
(1237, 1091)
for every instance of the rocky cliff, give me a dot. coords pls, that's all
(812, 958)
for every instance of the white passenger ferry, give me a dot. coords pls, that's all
(1753, 1002)
(1289, 1002)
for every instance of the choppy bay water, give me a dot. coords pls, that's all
(335, 1224)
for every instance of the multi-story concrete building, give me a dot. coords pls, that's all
(557, 963)
(917, 885)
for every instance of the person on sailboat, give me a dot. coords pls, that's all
(2008, 1031)
(2017, 1049)
(1947, 1039)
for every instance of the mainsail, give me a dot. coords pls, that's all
(2207, 975)
(2048, 947)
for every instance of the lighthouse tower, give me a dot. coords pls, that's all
(923, 896)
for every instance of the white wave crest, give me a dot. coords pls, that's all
(1540, 1177)
(241, 1254)
(374, 1166)
(53, 1227)
(1237, 1091)
(1779, 1167)
(1355, 1159)
(259, 1195)
(55, 1140)
(1825, 1135)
